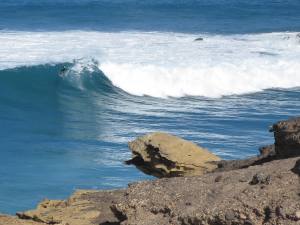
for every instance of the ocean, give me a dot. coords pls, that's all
(81, 78)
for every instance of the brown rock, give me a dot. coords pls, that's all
(267, 154)
(181, 200)
(296, 168)
(260, 178)
(225, 202)
(287, 138)
(267, 151)
(297, 215)
(165, 155)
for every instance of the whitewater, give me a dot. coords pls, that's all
(166, 64)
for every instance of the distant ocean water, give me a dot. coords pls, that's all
(133, 67)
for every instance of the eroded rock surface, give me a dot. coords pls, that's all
(267, 194)
(165, 155)
(222, 198)
(11, 220)
(82, 208)
(287, 138)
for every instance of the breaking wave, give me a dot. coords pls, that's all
(162, 64)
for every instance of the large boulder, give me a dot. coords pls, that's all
(287, 138)
(165, 155)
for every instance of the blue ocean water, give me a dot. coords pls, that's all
(133, 67)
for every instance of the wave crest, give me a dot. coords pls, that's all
(203, 80)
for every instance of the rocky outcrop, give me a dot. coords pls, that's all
(267, 153)
(266, 194)
(287, 144)
(165, 155)
(296, 169)
(11, 220)
(287, 138)
(82, 208)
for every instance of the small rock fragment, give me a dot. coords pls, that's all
(199, 39)
(249, 222)
(243, 216)
(297, 215)
(230, 215)
(296, 168)
(260, 178)
(280, 212)
(218, 178)
(267, 151)
(243, 179)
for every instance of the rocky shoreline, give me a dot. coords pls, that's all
(264, 189)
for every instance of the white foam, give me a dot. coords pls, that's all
(167, 64)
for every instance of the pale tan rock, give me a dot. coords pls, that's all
(82, 208)
(165, 155)
(297, 215)
(11, 220)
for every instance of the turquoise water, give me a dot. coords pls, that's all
(132, 67)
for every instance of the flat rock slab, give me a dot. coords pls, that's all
(165, 155)
(11, 220)
(82, 208)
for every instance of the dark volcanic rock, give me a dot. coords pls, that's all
(287, 138)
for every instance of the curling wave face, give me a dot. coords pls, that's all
(167, 64)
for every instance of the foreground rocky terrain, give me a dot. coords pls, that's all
(260, 190)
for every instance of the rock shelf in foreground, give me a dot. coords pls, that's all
(263, 194)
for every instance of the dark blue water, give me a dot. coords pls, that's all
(233, 16)
(57, 136)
